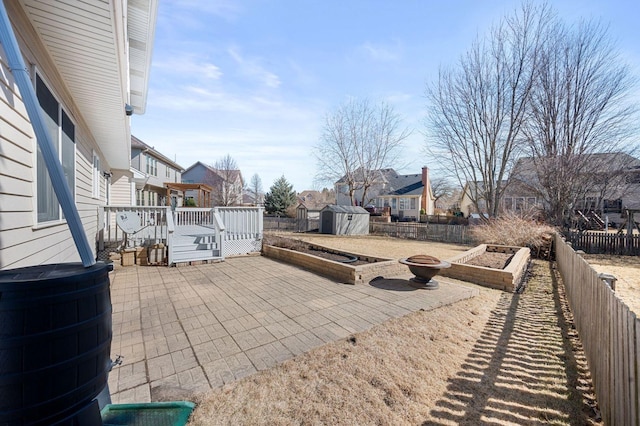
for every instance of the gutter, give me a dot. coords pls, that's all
(61, 188)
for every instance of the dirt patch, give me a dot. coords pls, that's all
(307, 248)
(498, 358)
(380, 246)
(490, 259)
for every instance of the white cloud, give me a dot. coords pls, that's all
(251, 67)
(188, 65)
(382, 52)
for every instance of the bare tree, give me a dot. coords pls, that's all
(579, 108)
(255, 187)
(479, 107)
(359, 139)
(441, 187)
(226, 180)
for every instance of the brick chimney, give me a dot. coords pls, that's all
(425, 185)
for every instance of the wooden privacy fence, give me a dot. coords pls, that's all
(601, 243)
(280, 223)
(458, 234)
(609, 333)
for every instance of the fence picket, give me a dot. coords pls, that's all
(598, 243)
(608, 330)
(458, 234)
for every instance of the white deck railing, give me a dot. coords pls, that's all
(241, 222)
(153, 226)
(243, 229)
(238, 230)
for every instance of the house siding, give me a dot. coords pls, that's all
(120, 189)
(155, 183)
(22, 241)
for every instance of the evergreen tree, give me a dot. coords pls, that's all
(280, 197)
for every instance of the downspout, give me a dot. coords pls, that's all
(60, 186)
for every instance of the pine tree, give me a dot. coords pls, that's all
(280, 197)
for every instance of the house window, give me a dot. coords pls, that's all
(404, 204)
(95, 187)
(612, 206)
(508, 203)
(152, 166)
(413, 204)
(62, 132)
(531, 202)
(519, 204)
(394, 203)
(167, 172)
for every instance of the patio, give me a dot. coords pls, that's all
(189, 329)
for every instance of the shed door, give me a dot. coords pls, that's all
(327, 222)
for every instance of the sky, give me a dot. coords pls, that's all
(255, 79)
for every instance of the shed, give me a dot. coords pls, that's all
(344, 220)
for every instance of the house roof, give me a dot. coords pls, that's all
(404, 185)
(345, 209)
(234, 174)
(137, 143)
(383, 174)
(101, 69)
(525, 168)
(313, 200)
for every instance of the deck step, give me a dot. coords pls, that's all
(192, 246)
(194, 255)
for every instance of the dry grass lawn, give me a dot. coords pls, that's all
(498, 358)
(627, 271)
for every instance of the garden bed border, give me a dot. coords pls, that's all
(507, 279)
(342, 272)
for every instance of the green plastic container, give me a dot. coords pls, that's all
(147, 414)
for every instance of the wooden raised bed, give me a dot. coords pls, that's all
(341, 272)
(507, 279)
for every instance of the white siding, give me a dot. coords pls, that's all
(22, 241)
(120, 189)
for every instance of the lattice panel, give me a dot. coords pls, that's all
(235, 247)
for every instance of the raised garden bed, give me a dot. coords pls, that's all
(468, 266)
(317, 259)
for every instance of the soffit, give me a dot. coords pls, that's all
(86, 42)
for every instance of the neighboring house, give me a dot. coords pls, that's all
(515, 197)
(250, 199)
(611, 184)
(407, 195)
(315, 200)
(157, 170)
(379, 186)
(227, 184)
(89, 64)
(449, 204)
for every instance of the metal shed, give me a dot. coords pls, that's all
(344, 220)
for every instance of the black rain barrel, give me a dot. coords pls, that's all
(55, 342)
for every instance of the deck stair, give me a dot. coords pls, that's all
(596, 220)
(190, 244)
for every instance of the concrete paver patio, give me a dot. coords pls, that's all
(189, 329)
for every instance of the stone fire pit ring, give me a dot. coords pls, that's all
(425, 267)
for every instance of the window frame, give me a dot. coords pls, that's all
(61, 144)
(95, 176)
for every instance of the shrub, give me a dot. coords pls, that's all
(512, 229)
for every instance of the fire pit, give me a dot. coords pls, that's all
(424, 268)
